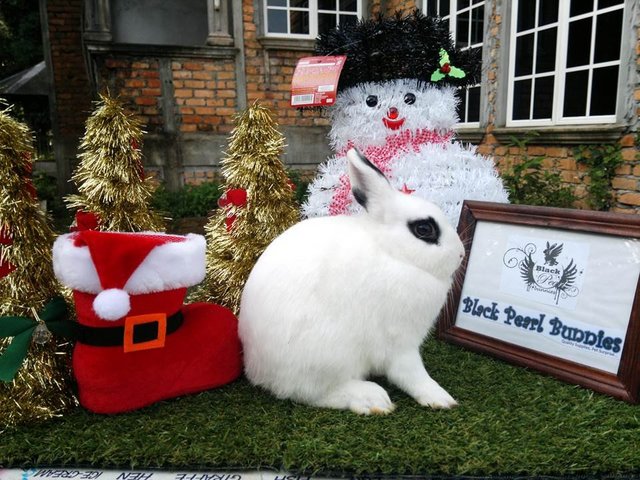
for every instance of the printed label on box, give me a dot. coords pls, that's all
(315, 81)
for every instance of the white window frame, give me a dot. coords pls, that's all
(313, 18)
(452, 17)
(560, 68)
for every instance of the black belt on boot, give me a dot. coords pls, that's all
(142, 332)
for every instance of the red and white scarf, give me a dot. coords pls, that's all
(404, 142)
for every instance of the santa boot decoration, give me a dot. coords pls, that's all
(136, 342)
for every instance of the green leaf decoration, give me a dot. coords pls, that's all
(444, 57)
(12, 326)
(13, 356)
(457, 73)
(437, 76)
(54, 316)
(450, 70)
(54, 310)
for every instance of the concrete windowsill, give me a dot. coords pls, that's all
(564, 135)
(272, 43)
(204, 51)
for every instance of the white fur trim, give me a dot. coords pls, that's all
(112, 304)
(73, 265)
(167, 267)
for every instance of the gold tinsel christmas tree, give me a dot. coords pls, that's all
(257, 205)
(39, 386)
(110, 178)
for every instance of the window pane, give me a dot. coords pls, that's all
(608, 3)
(277, 3)
(462, 4)
(546, 52)
(431, 8)
(608, 36)
(580, 6)
(277, 21)
(548, 12)
(579, 39)
(526, 14)
(521, 99)
(444, 8)
(462, 30)
(348, 19)
(524, 55)
(299, 21)
(543, 98)
(474, 104)
(299, 3)
(326, 4)
(476, 1)
(462, 105)
(575, 94)
(477, 24)
(349, 5)
(326, 22)
(603, 91)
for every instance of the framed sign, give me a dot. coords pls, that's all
(552, 289)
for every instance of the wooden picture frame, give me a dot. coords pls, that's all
(555, 290)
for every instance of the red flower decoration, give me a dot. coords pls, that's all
(235, 197)
(5, 267)
(85, 221)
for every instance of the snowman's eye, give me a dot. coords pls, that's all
(409, 99)
(372, 100)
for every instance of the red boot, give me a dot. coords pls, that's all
(137, 344)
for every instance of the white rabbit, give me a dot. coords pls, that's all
(334, 300)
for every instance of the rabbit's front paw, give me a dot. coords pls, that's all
(437, 398)
(362, 397)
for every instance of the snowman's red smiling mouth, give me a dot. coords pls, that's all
(391, 121)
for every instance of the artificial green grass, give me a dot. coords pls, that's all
(510, 421)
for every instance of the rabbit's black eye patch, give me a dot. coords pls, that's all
(426, 230)
(372, 100)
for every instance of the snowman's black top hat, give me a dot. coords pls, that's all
(409, 46)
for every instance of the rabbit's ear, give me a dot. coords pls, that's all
(369, 186)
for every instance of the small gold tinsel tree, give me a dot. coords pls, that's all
(110, 177)
(238, 234)
(41, 387)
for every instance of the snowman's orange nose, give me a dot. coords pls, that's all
(392, 113)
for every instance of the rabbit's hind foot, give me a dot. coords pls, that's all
(359, 396)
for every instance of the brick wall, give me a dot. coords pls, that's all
(205, 95)
(137, 83)
(269, 73)
(70, 79)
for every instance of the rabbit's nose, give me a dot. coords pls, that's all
(392, 113)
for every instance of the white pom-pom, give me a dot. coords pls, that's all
(112, 304)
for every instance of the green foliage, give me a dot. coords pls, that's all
(47, 189)
(189, 201)
(20, 36)
(301, 185)
(200, 200)
(601, 162)
(529, 183)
